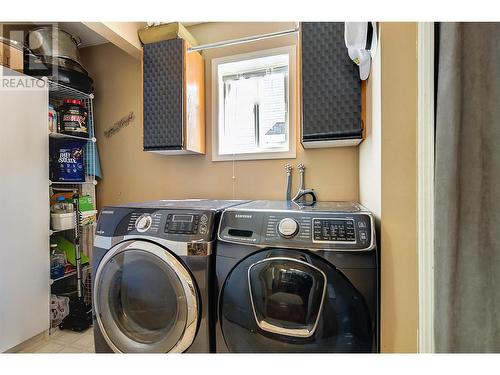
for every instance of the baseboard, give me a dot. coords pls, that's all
(43, 336)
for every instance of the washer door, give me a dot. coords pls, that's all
(281, 300)
(145, 300)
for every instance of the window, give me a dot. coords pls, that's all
(253, 112)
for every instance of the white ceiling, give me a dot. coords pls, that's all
(91, 38)
(88, 37)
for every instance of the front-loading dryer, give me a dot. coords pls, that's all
(297, 278)
(152, 279)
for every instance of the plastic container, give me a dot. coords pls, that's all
(73, 118)
(61, 206)
(52, 119)
(67, 161)
(62, 221)
(57, 262)
(56, 271)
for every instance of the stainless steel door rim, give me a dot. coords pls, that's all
(184, 277)
(272, 328)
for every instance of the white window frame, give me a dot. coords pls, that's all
(426, 159)
(292, 103)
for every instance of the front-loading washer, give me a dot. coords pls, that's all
(297, 278)
(152, 276)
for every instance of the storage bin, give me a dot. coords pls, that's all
(63, 221)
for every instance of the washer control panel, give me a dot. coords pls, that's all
(288, 227)
(334, 230)
(321, 230)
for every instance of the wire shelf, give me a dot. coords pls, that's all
(53, 231)
(59, 91)
(93, 182)
(72, 273)
(68, 136)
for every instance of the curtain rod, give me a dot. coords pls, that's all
(247, 39)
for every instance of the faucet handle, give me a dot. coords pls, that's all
(288, 168)
(301, 167)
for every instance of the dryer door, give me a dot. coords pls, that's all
(281, 300)
(145, 300)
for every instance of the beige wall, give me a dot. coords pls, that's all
(399, 188)
(388, 178)
(133, 175)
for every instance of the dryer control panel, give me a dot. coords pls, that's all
(175, 225)
(316, 230)
(186, 223)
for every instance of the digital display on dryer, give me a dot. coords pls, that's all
(183, 218)
(182, 224)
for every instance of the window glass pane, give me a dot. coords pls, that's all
(239, 115)
(286, 293)
(273, 112)
(253, 105)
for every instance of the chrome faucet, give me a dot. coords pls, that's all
(288, 170)
(303, 192)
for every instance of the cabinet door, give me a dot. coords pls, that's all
(24, 223)
(331, 87)
(164, 95)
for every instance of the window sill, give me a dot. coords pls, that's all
(256, 156)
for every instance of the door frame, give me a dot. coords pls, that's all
(425, 160)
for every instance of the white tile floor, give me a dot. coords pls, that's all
(64, 342)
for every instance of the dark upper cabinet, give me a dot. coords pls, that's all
(174, 98)
(331, 88)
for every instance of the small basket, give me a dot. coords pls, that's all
(63, 221)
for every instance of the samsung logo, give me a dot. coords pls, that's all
(107, 212)
(241, 216)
